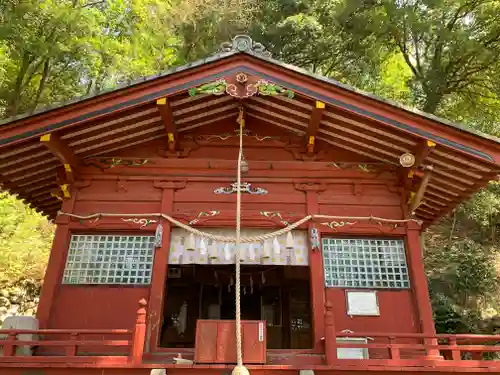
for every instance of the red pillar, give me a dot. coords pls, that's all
(55, 266)
(419, 284)
(160, 265)
(316, 271)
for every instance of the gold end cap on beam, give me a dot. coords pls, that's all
(161, 101)
(45, 138)
(431, 143)
(320, 105)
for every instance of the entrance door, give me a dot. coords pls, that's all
(278, 295)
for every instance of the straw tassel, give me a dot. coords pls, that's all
(243, 253)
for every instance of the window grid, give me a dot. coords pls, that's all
(109, 259)
(365, 263)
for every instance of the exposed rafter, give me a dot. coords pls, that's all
(169, 123)
(314, 122)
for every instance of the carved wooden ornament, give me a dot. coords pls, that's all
(241, 86)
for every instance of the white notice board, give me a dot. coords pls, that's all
(362, 303)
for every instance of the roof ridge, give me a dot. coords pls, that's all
(243, 44)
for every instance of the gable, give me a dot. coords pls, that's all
(461, 162)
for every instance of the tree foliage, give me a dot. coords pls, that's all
(441, 56)
(53, 50)
(25, 240)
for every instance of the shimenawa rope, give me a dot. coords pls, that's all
(225, 239)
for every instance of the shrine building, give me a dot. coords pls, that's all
(336, 187)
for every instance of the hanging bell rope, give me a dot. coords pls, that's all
(239, 369)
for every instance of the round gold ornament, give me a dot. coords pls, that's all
(407, 160)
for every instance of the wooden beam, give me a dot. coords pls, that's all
(424, 150)
(168, 122)
(417, 198)
(314, 122)
(63, 152)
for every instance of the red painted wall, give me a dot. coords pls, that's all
(96, 306)
(397, 313)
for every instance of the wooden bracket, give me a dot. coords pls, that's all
(423, 152)
(416, 198)
(167, 117)
(314, 122)
(63, 152)
(62, 192)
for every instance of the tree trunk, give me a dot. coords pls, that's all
(14, 101)
(89, 87)
(41, 86)
(432, 101)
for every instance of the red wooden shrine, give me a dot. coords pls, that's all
(128, 291)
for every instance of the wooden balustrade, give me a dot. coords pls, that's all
(139, 336)
(330, 340)
(451, 347)
(410, 348)
(384, 349)
(133, 341)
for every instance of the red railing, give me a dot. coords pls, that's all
(383, 346)
(389, 349)
(382, 349)
(67, 343)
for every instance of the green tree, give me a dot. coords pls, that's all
(25, 241)
(451, 46)
(57, 49)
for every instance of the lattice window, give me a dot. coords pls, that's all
(109, 259)
(365, 263)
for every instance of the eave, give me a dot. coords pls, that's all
(462, 162)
